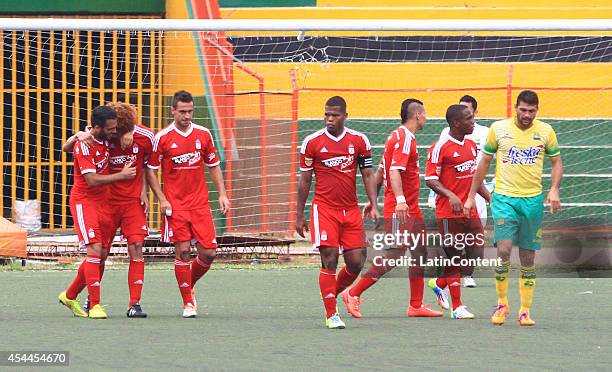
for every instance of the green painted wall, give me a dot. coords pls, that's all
(265, 3)
(83, 6)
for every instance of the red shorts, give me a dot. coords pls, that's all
(464, 232)
(130, 217)
(196, 224)
(413, 225)
(88, 218)
(331, 227)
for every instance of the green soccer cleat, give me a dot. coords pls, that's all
(97, 312)
(73, 305)
(334, 322)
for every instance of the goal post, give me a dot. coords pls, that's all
(271, 79)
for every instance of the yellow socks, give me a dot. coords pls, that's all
(527, 283)
(501, 282)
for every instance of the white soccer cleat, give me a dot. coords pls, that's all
(189, 311)
(334, 322)
(469, 282)
(441, 294)
(461, 312)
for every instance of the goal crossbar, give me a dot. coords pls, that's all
(58, 24)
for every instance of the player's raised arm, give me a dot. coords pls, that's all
(83, 136)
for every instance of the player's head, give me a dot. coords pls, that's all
(413, 110)
(470, 102)
(335, 115)
(460, 119)
(126, 116)
(104, 122)
(182, 108)
(526, 107)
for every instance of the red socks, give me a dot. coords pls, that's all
(135, 280)
(344, 279)
(92, 278)
(417, 282)
(327, 283)
(367, 280)
(453, 278)
(77, 284)
(182, 273)
(198, 269)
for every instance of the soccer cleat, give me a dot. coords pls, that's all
(469, 282)
(461, 312)
(135, 311)
(334, 322)
(423, 311)
(440, 293)
(189, 311)
(73, 305)
(352, 304)
(499, 315)
(97, 312)
(525, 319)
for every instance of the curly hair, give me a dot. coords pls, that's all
(126, 116)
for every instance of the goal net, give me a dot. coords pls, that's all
(261, 92)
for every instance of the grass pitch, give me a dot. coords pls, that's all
(273, 320)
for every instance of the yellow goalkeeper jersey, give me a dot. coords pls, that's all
(520, 156)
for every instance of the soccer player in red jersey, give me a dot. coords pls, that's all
(184, 150)
(451, 164)
(334, 153)
(399, 170)
(88, 199)
(127, 200)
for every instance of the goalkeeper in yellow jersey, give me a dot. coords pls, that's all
(518, 203)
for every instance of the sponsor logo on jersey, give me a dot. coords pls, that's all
(324, 149)
(527, 156)
(97, 153)
(191, 158)
(173, 146)
(465, 166)
(122, 159)
(342, 161)
(101, 164)
(211, 156)
(455, 154)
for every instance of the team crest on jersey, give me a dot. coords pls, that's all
(91, 233)
(473, 152)
(135, 149)
(351, 149)
(323, 235)
(527, 156)
(198, 144)
(536, 136)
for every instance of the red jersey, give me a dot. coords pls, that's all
(401, 154)
(335, 160)
(182, 156)
(453, 163)
(89, 160)
(138, 154)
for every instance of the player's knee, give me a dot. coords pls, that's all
(135, 251)
(183, 255)
(207, 255)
